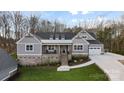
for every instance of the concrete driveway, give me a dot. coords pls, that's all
(110, 65)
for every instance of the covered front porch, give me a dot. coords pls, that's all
(56, 46)
(56, 53)
(56, 49)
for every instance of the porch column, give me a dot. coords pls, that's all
(59, 49)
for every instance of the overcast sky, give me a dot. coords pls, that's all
(71, 18)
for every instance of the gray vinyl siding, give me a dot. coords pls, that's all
(70, 49)
(89, 37)
(21, 49)
(30, 39)
(21, 46)
(82, 42)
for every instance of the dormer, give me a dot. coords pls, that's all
(51, 37)
(63, 37)
(57, 36)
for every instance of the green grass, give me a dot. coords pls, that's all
(48, 73)
(14, 56)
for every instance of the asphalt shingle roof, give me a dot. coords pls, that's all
(94, 41)
(67, 35)
(92, 34)
(47, 35)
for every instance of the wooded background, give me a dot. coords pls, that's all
(14, 25)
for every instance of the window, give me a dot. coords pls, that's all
(51, 37)
(62, 37)
(57, 36)
(29, 47)
(78, 47)
(84, 36)
(51, 47)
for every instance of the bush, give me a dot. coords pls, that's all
(78, 59)
(119, 52)
(14, 55)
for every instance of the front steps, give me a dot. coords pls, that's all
(63, 68)
(64, 63)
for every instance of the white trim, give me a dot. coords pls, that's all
(32, 43)
(54, 44)
(78, 45)
(29, 50)
(41, 49)
(36, 38)
(79, 53)
(59, 49)
(75, 36)
(91, 36)
(86, 41)
(27, 35)
(57, 41)
(82, 38)
(20, 39)
(27, 54)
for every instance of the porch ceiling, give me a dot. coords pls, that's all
(56, 42)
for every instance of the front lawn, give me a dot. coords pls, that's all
(49, 73)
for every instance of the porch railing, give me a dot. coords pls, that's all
(50, 52)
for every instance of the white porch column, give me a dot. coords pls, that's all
(59, 49)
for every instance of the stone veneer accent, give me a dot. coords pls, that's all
(37, 59)
(29, 60)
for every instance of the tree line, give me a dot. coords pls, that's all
(14, 25)
(112, 37)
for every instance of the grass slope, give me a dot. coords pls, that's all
(47, 73)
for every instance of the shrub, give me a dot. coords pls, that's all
(119, 52)
(78, 59)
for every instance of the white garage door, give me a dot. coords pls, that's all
(94, 50)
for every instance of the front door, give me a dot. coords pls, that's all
(63, 49)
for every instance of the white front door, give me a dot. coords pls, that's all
(94, 50)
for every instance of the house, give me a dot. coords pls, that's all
(8, 66)
(43, 47)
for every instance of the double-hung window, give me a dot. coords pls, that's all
(29, 47)
(78, 47)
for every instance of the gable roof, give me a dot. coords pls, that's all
(29, 35)
(94, 42)
(46, 35)
(67, 35)
(92, 34)
(7, 64)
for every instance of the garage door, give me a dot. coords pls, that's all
(94, 50)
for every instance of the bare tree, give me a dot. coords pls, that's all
(33, 23)
(18, 24)
(5, 23)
